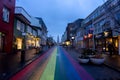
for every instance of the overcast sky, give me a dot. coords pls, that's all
(58, 13)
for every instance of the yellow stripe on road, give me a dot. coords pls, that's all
(49, 71)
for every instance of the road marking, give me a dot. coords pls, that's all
(49, 71)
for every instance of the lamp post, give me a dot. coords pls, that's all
(72, 38)
(23, 50)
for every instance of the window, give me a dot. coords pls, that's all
(6, 14)
(19, 43)
(18, 25)
(39, 32)
(34, 33)
(22, 27)
(29, 29)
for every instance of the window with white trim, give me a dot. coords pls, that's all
(6, 14)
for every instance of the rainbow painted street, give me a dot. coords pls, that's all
(56, 64)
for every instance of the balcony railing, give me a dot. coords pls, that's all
(21, 11)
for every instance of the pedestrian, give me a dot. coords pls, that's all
(110, 48)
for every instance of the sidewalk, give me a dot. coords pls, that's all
(110, 61)
(11, 63)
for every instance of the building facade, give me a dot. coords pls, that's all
(106, 26)
(44, 32)
(6, 25)
(28, 31)
(22, 28)
(102, 26)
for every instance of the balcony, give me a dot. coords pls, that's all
(35, 22)
(22, 15)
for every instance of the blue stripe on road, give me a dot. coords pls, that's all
(64, 68)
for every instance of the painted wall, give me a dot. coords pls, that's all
(7, 28)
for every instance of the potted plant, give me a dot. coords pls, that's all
(97, 59)
(91, 53)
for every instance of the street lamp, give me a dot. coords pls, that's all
(72, 38)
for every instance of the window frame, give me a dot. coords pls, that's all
(6, 14)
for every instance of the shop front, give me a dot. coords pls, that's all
(102, 40)
(99, 41)
(32, 41)
(88, 41)
(19, 43)
(79, 43)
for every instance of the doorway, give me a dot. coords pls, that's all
(2, 39)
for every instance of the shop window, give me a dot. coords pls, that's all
(28, 45)
(37, 43)
(19, 43)
(6, 14)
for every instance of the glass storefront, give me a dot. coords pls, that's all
(102, 44)
(19, 43)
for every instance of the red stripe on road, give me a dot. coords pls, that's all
(27, 70)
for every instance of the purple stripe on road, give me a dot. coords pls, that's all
(83, 74)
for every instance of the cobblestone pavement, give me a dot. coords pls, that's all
(98, 72)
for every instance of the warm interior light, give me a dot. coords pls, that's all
(19, 43)
(33, 43)
(106, 33)
(116, 43)
(89, 35)
(85, 36)
(67, 43)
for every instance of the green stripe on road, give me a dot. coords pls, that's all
(49, 71)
